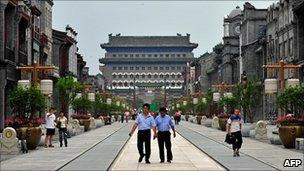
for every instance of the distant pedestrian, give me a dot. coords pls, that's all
(127, 114)
(144, 122)
(163, 125)
(234, 129)
(50, 127)
(62, 123)
(177, 117)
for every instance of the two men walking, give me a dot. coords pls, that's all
(145, 122)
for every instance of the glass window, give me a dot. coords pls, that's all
(137, 76)
(119, 68)
(172, 68)
(114, 76)
(125, 68)
(172, 55)
(290, 46)
(137, 55)
(114, 55)
(114, 68)
(131, 55)
(167, 68)
(161, 76)
(149, 68)
(137, 68)
(155, 68)
(161, 55)
(131, 68)
(155, 55)
(126, 55)
(143, 76)
(167, 55)
(125, 76)
(178, 55)
(161, 68)
(178, 68)
(149, 76)
(119, 55)
(120, 76)
(131, 76)
(172, 76)
(143, 55)
(149, 55)
(184, 55)
(155, 76)
(143, 68)
(125, 84)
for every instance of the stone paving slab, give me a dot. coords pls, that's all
(53, 158)
(185, 157)
(103, 154)
(259, 152)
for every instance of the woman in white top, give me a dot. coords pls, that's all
(50, 127)
(62, 123)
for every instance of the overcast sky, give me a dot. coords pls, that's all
(94, 20)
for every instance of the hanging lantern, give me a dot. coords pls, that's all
(229, 94)
(216, 97)
(177, 105)
(195, 100)
(292, 82)
(271, 85)
(24, 83)
(117, 103)
(185, 103)
(78, 95)
(123, 105)
(91, 96)
(109, 101)
(204, 100)
(46, 86)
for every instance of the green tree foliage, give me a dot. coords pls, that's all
(82, 105)
(248, 95)
(27, 101)
(292, 99)
(229, 102)
(68, 88)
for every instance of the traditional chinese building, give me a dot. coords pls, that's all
(151, 65)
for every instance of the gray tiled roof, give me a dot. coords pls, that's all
(149, 41)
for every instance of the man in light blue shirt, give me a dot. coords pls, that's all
(144, 122)
(164, 124)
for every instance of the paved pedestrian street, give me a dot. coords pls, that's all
(195, 147)
(185, 157)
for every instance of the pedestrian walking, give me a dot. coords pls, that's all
(163, 125)
(62, 123)
(177, 117)
(122, 117)
(50, 127)
(127, 114)
(144, 122)
(234, 127)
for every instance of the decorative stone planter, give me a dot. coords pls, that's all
(223, 123)
(32, 135)
(288, 135)
(208, 123)
(85, 123)
(246, 127)
(199, 120)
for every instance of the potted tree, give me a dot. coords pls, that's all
(82, 105)
(230, 103)
(200, 108)
(26, 103)
(291, 124)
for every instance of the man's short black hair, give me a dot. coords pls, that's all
(162, 109)
(147, 104)
(52, 108)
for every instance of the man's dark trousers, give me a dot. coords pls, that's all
(144, 136)
(164, 138)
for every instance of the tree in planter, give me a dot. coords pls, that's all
(248, 95)
(230, 102)
(82, 105)
(26, 103)
(209, 101)
(292, 100)
(97, 106)
(68, 88)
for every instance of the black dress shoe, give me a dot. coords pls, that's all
(169, 161)
(148, 162)
(140, 158)
(162, 161)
